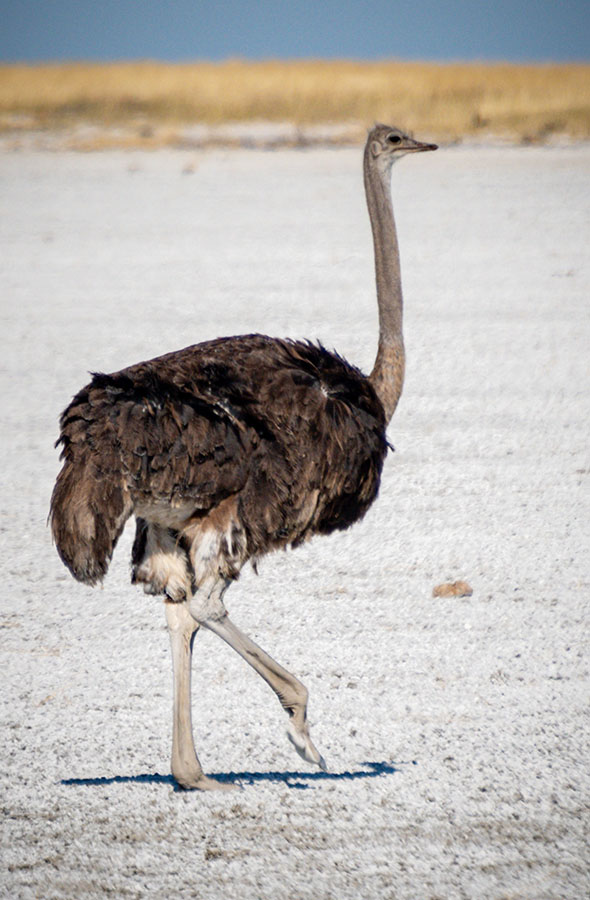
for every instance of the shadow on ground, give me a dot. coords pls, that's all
(296, 780)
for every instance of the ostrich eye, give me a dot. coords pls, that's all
(394, 139)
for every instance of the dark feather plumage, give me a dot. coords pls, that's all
(294, 434)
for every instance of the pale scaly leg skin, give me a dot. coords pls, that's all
(291, 693)
(186, 768)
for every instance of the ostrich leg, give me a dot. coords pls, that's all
(291, 693)
(186, 768)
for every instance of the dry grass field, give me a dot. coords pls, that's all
(147, 103)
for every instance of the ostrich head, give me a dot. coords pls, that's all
(386, 144)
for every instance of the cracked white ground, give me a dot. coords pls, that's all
(456, 730)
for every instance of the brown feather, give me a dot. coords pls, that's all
(292, 433)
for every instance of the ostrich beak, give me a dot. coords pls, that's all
(418, 146)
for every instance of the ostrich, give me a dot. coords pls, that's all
(225, 451)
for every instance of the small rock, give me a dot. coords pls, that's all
(453, 589)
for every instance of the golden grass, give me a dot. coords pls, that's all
(445, 101)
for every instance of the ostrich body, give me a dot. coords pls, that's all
(225, 451)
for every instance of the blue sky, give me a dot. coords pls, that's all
(176, 30)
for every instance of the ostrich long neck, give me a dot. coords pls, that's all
(387, 376)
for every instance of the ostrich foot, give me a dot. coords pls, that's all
(201, 782)
(291, 693)
(305, 746)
